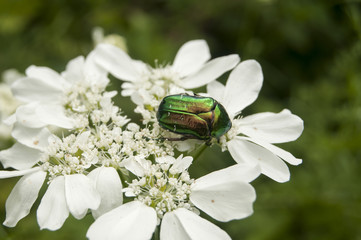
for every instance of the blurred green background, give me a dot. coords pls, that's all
(310, 52)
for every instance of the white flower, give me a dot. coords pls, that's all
(8, 103)
(70, 193)
(191, 68)
(70, 189)
(251, 138)
(224, 195)
(50, 98)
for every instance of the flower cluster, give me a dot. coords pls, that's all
(133, 177)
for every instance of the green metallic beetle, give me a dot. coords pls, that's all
(195, 117)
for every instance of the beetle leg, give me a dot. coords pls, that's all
(209, 142)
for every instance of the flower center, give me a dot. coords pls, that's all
(165, 74)
(82, 97)
(71, 155)
(104, 145)
(163, 188)
(154, 84)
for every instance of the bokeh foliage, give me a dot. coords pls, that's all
(310, 52)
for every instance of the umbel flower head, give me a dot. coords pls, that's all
(75, 163)
(165, 195)
(57, 99)
(72, 137)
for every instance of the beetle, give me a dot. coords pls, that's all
(194, 117)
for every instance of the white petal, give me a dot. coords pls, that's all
(272, 127)
(240, 172)
(216, 90)
(167, 159)
(140, 66)
(243, 86)
(109, 187)
(27, 115)
(110, 94)
(33, 89)
(74, 70)
(182, 224)
(80, 195)
(191, 57)
(136, 98)
(240, 152)
(20, 157)
(224, 194)
(53, 210)
(54, 115)
(274, 168)
(287, 156)
(22, 197)
(48, 76)
(210, 71)
(271, 165)
(9, 174)
(133, 220)
(9, 121)
(82, 138)
(134, 167)
(127, 93)
(32, 137)
(182, 164)
(116, 61)
(137, 165)
(93, 72)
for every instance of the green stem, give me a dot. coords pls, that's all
(124, 177)
(156, 235)
(197, 152)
